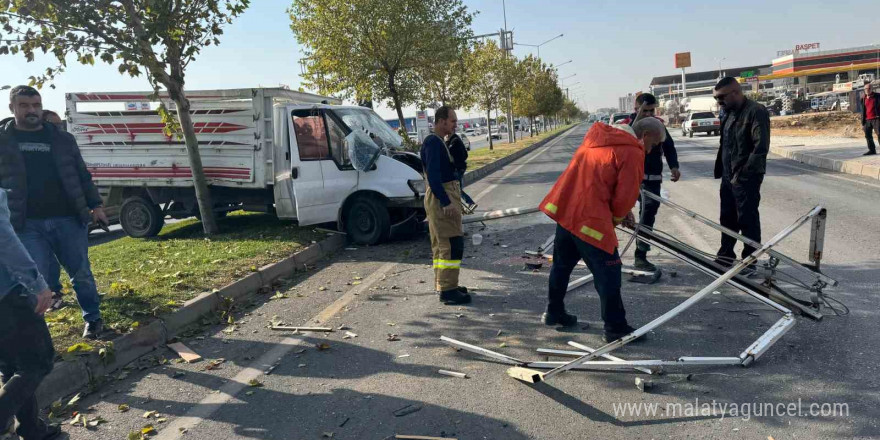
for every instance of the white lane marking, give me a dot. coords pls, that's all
(213, 402)
(518, 167)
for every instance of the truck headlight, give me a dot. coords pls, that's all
(418, 186)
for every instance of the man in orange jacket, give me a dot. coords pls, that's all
(595, 193)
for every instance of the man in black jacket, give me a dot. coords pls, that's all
(741, 164)
(871, 117)
(653, 177)
(52, 197)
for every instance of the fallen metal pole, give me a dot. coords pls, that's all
(606, 356)
(639, 332)
(818, 275)
(579, 282)
(482, 351)
(767, 340)
(770, 298)
(682, 361)
(501, 213)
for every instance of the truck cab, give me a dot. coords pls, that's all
(321, 179)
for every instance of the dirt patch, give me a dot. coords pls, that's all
(836, 124)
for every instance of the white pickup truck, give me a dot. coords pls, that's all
(298, 155)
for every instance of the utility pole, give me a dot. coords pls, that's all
(508, 46)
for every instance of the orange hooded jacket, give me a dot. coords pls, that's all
(601, 184)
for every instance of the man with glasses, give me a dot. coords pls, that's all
(741, 164)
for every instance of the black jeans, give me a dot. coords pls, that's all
(567, 250)
(739, 212)
(872, 126)
(26, 356)
(648, 213)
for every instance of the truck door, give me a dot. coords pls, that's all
(309, 147)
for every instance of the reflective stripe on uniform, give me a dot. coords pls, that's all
(447, 264)
(653, 177)
(551, 207)
(592, 233)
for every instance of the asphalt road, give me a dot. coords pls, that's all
(353, 389)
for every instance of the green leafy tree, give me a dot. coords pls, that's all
(525, 96)
(158, 38)
(378, 48)
(490, 70)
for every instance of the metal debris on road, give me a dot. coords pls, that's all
(407, 410)
(393, 337)
(301, 329)
(644, 385)
(453, 374)
(421, 437)
(349, 335)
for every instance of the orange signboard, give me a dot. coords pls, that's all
(682, 60)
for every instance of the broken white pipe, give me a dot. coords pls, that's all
(762, 344)
(493, 215)
(792, 262)
(606, 356)
(579, 282)
(662, 319)
(453, 374)
(482, 351)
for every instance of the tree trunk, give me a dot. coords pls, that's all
(203, 193)
(395, 98)
(489, 125)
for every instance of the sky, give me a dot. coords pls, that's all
(615, 47)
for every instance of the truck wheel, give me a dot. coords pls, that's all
(367, 222)
(141, 218)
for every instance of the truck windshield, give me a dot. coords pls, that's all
(367, 120)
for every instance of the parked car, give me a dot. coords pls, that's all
(494, 134)
(701, 122)
(618, 118)
(470, 132)
(467, 142)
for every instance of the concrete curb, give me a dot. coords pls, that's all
(853, 167)
(70, 376)
(485, 170)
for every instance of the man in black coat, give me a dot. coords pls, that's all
(52, 197)
(871, 117)
(741, 164)
(653, 178)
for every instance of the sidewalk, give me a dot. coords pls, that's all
(832, 153)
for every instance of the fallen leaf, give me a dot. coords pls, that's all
(322, 288)
(255, 383)
(123, 407)
(322, 346)
(327, 435)
(149, 414)
(278, 295)
(249, 393)
(148, 430)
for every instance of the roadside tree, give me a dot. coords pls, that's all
(162, 37)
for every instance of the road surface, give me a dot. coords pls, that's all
(370, 387)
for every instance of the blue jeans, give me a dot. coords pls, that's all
(605, 267)
(64, 240)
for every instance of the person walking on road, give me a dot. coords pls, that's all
(594, 194)
(740, 164)
(26, 351)
(52, 197)
(443, 208)
(871, 118)
(653, 178)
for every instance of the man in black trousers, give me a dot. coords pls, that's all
(871, 118)
(26, 352)
(741, 164)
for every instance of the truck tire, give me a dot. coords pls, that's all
(367, 222)
(141, 218)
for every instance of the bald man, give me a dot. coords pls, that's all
(740, 164)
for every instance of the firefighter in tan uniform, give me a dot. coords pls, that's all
(443, 207)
